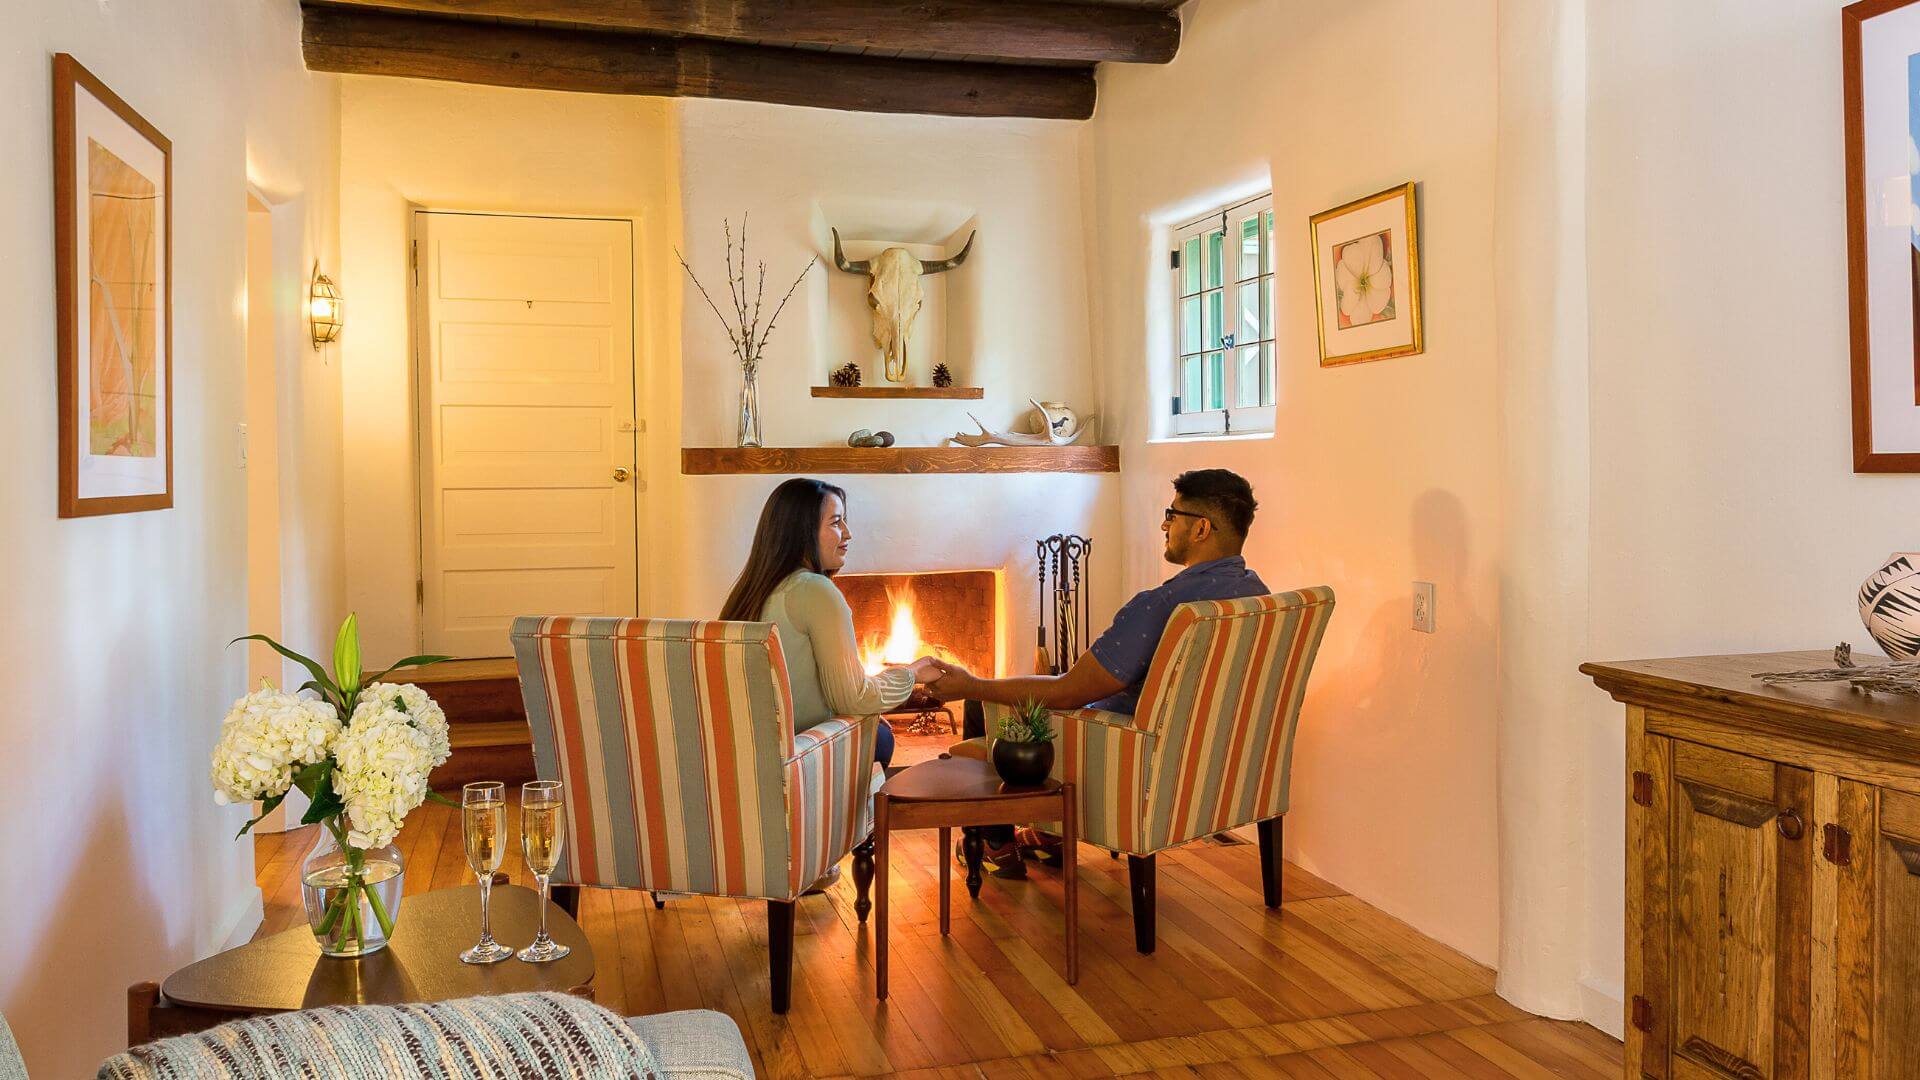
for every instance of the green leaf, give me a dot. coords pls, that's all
(315, 776)
(442, 799)
(267, 806)
(346, 657)
(319, 673)
(411, 661)
(326, 804)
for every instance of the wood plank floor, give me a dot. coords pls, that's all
(1329, 987)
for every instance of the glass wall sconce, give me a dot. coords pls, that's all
(326, 312)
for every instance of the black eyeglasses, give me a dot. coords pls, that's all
(1172, 513)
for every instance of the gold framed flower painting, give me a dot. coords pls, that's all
(113, 199)
(1366, 278)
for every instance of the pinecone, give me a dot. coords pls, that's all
(846, 376)
(941, 376)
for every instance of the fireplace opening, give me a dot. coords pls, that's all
(951, 614)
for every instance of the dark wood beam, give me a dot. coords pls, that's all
(1004, 29)
(353, 41)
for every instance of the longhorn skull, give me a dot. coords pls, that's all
(894, 295)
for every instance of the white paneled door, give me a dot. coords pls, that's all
(528, 433)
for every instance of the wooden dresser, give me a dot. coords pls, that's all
(1773, 872)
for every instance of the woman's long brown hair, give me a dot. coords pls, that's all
(787, 539)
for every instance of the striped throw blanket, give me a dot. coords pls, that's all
(478, 1038)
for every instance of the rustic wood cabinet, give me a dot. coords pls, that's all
(1773, 873)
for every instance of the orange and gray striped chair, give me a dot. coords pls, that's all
(683, 772)
(1209, 747)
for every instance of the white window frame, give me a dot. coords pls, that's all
(1232, 418)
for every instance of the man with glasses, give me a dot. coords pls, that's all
(1205, 529)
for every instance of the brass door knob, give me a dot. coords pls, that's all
(621, 473)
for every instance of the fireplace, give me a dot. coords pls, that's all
(951, 614)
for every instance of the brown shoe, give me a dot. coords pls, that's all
(1004, 861)
(1042, 847)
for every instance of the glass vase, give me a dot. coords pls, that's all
(352, 895)
(750, 408)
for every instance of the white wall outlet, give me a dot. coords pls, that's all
(1423, 606)
(243, 445)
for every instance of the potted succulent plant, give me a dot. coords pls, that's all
(1023, 751)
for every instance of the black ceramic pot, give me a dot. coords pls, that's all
(1023, 764)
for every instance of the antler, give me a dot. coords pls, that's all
(864, 266)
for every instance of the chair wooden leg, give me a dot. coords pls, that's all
(1270, 860)
(863, 879)
(567, 899)
(1140, 877)
(659, 902)
(780, 952)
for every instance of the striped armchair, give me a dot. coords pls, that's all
(1210, 746)
(683, 772)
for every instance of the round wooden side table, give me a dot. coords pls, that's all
(966, 793)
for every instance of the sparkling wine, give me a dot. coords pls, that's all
(542, 835)
(485, 826)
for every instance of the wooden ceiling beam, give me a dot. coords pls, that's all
(1003, 29)
(354, 41)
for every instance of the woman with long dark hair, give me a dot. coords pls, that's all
(802, 541)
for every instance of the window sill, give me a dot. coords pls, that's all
(1210, 436)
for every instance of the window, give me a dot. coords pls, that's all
(1223, 321)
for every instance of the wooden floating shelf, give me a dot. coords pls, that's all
(945, 393)
(787, 460)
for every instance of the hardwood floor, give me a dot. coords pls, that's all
(1329, 988)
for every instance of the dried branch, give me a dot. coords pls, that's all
(774, 320)
(1894, 677)
(728, 327)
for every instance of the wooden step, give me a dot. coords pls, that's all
(486, 720)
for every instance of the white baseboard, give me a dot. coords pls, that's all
(245, 921)
(1603, 1005)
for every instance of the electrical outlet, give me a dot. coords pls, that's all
(1423, 606)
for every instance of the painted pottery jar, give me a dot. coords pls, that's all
(1890, 605)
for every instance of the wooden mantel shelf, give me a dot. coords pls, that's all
(777, 460)
(896, 393)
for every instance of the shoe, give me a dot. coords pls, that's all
(1004, 861)
(1040, 846)
(827, 881)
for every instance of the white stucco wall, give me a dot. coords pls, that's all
(119, 866)
(1380, 474)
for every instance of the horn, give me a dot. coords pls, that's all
(939, 266)
(864, 266)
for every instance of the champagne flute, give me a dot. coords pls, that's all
(483, 816)
(542, 834)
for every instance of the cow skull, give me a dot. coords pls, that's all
(894, 294)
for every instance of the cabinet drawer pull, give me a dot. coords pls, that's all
(1791, 826)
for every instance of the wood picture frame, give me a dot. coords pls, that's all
(1880, 75)
(1353, 245)
(113, 266)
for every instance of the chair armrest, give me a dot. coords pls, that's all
(1098, 716)
(1108, 760)
(829, 795)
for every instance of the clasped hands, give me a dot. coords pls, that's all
(946, 681)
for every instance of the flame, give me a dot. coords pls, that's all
(902, 645)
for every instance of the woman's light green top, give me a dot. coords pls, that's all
(823, 659)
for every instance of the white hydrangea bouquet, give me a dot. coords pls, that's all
(362, 776)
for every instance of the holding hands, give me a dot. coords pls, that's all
(946, 680)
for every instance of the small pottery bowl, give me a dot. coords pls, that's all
(1023, 764)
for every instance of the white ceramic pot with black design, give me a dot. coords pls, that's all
(1890, 605)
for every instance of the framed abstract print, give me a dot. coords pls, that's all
(1366, 278)
(1880, 54)
(113, 230)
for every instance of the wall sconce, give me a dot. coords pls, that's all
(326, 312)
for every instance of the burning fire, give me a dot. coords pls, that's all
(902, 645)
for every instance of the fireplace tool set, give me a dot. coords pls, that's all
(1063, 632)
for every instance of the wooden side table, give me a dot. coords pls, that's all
(285, 971)
(966, 792)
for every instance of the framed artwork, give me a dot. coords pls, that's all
(113, 257)
(1366, 278)
(1880, 61)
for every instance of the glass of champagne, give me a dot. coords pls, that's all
(483, 814)
(541, 836)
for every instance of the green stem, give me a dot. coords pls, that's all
(379, 910)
